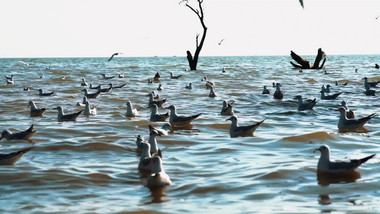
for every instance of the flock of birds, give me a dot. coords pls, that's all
(151, 164)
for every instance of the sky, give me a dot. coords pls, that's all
(98, 28)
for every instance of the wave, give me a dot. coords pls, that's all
(311, 136)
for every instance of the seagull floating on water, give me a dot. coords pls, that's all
(88, 110)
(369, 92)
(107, 77)
(370, 84)
(351, 123)
(349, 113)
(175, 77)
(180, 121)
(265, 90)
(158, 178)
(242, 131)
(164, 131)
(45, 94)
(157, 77)
(329, 97)
(62, 117)
(91, 96)
(325, 165)
(117, 86)
(131, 112)
(153, 142)
(35, 111)
(212, 93)
(105, 90)
(83, 83)
(159, 103)
(83, 102)
(305, 105)
(160, 88)
(121, 75)
(12, 158)
(278, 93)
(155, 116)
(190, 86)
(227, 108)
(24, 135)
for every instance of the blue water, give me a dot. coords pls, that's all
(90, 166)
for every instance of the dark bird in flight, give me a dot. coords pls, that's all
(301, 2)
(219, 43)
(115, 54)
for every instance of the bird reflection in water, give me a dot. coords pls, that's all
(158, 195)
(325, 179)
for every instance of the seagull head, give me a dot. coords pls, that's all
(324, 149)
(232, 118)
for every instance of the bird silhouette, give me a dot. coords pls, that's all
(219, 43)
(115, 54)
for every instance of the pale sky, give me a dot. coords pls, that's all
(98, 28)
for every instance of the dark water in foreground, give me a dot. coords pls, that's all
(90, 166)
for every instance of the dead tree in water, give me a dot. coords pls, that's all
(304, 64)
(193, 60)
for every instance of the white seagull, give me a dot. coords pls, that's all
(158, 178)
(131, 112)
(242, 131)
(325, 165)
(352, 123)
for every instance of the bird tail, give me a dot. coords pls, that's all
(30, 128)
(363, 160)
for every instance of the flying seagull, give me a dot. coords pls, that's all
(301, 2)
(115, 54)
(219, 43)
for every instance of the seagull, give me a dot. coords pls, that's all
(91, 96)
(115, 54)
(369, 91)
(209, 84)
(349, 113)
(344, 84)
(278, 93)
(370, 84)
(24, 135)
(88, 110)
(145, 164)
(10, 80)
(121, 75)
(94, 87)
(325, 165)
(227, 108)
(155, 116)
(265, 90)
(307, 105)
(175, 77)
(105, 90)
(11, 158)
(9, 77)
(329, 97)
(153, 142)
(158, 178)
(160, 88)
(45, 94)
(212, 93)
(159, 103)
(242, 131)
(131, 112)
(177, 120)
(219, 43)
(190, 86)
(346, 123)
(138, 141)
(118, 86)
(35, 111)
(301, 2)
(26, 89)
(83, 102)
(107, 77)
(67, 117)
(164, 131)
(157, 77)
(84, 83)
